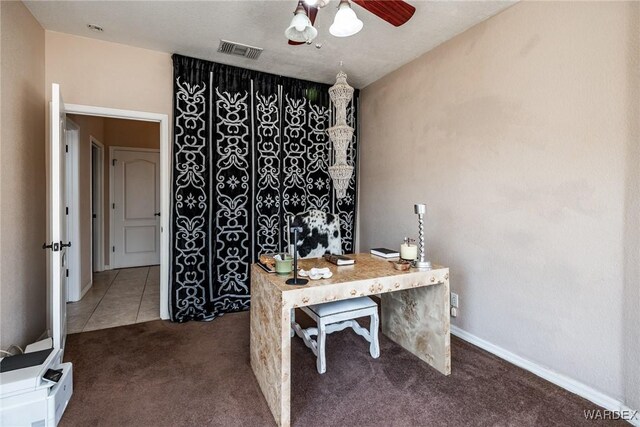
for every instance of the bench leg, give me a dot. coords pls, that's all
(374, 347)
(321, 362)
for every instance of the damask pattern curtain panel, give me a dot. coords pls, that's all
(249, 149)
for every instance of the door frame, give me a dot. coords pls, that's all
(112, 195)
(74, 281)
(165, 184)
(97, 259)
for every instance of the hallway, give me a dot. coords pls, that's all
(117, 297)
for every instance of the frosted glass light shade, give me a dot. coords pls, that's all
(300, 29)
(346, 23)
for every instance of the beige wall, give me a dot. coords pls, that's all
(104, 74)
(111, 133)
(521, 136)
(22, 177)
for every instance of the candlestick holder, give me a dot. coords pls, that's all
(421, 263)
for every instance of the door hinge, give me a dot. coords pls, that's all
(113, 162)
(66, 210)
(67, 273)
(113, 206)
(113, 249)
(66, 148)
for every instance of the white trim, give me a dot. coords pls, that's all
(112, 259)
(116, 113)
(107, 267)
(100, 255)
(554, 377)
(74, 281)
(165, 183)
(112, 149)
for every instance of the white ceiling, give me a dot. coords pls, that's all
(194, 28)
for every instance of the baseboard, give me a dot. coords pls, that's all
(556, 378)
(106, 267)
(85, 289)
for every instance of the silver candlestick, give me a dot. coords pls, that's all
(420, 209)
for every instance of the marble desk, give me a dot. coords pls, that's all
(415, 314)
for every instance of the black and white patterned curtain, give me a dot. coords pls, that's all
(249, 149)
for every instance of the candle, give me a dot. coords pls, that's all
(408, 251)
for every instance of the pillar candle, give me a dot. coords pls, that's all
(409, 252)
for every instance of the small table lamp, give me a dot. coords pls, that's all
(421, 263)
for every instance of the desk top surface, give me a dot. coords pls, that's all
(366, 268)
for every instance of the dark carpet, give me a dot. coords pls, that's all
(198, 374)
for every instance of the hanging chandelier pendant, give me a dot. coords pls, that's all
(341, 135)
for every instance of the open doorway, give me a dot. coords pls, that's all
(119, 192)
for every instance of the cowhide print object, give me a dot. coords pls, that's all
(320, 234)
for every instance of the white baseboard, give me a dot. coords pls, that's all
(106, 267)
(556, 378)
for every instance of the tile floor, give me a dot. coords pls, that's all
(117, 297)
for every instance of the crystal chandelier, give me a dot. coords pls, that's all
(341, 135)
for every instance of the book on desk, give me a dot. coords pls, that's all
(385, 252)
(339, 259)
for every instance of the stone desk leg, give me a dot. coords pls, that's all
(418, 320)
(271, 347)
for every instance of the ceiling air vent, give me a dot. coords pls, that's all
(233, 48)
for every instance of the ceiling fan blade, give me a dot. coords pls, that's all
(395, 12)
(312, 11)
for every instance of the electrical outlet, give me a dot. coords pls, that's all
(454, 312)
(454, 300)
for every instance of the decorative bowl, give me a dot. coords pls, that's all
(401, 265)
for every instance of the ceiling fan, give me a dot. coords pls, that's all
(346, 23)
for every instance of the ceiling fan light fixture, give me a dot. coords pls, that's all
(300, 29)
(346, 23)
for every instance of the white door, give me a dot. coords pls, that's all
(57, 242)
(96, 207)
(136, 208)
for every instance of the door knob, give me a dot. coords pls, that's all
(156, 214)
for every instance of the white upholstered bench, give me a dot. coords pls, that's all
(336, 316)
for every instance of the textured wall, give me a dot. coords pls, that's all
(22, 178)
(104, 74)
(631, 318)
(521, 136)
